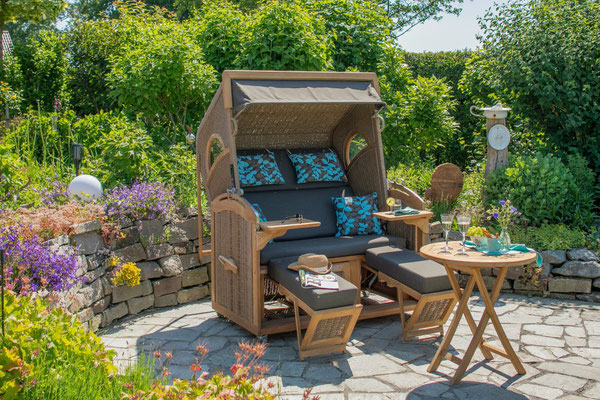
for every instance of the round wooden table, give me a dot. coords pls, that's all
(472, 263)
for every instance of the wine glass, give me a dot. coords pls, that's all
(464, 220)
(446, 220)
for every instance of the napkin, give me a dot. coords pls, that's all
(406, 211)
(514, 247)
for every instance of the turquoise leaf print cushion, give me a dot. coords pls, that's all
(355, 215)
(259, 169)
(320, 166)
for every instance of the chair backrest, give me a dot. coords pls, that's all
(311, 200)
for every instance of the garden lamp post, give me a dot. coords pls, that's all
(190, 138)
(77, 150)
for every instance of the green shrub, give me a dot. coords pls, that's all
(46, 354)
(549, 237)
(221, 29)
(416, 177)
(359, 30)
(417, 119)
(545, 189)
(285, 36)
(43, 62)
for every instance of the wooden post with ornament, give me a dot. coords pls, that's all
(498, 136)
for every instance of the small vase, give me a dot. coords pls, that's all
(504, 240)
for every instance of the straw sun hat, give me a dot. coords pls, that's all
(314, 263)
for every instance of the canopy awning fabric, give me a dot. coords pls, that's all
(246, 93)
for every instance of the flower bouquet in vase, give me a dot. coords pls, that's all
(505, 214)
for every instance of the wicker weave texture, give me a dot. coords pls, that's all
(233, 239)
(331, 328)
(433, 310)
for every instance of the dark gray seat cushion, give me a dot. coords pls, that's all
(420, 274)
(330, 246)
(317, 299)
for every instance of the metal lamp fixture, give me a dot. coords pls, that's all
(77, 151)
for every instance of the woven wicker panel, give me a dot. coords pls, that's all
(433, 310)
(233, 239)
(281, 126)
(220, 178)
(331, 328)
(271, 287)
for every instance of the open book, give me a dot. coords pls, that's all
(326, 281)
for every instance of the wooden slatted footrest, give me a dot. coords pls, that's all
(328, 330)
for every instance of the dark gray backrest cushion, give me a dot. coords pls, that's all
(313, 204)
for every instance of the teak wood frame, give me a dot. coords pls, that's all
(238, 279)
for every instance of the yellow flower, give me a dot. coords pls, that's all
(128, 274)
(113, 261)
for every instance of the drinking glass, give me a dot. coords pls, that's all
(446, 226)
(464, 220)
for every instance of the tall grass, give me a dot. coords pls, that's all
(74, 382)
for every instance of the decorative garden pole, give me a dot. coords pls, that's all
(498, 136)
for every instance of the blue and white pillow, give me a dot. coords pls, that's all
(323, 166)
(355, 215)
(259, 169)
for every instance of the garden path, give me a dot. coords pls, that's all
(558, 340)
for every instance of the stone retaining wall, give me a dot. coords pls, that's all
(165, 250)
(570, 275)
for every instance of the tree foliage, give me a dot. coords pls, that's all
(221, 27)
(285, 36)
(43, 62)
(418, 118)
(542, 57)
(159, 68)
(359, 30)
(407, 14)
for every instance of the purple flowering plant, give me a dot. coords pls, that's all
(505, 213)
(142, 200)
(31, 265)
(54, 193)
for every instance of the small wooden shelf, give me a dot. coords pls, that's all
(287, 224)
(420, 221)
(389, 216)
(277, 228)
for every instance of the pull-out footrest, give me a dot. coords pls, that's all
(415, 277)
(333, 313)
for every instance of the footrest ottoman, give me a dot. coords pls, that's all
(415, 277)
(333, 313)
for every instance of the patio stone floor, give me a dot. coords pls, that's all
(558, 341)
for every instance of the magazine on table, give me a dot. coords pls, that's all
(325, 281)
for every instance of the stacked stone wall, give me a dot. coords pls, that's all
(165, 250)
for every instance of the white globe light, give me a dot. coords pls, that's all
(85, 187)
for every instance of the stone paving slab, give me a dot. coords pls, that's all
(558, 341)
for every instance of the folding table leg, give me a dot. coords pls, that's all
(463, 300)
(456, 287)
(489, 307)
(489, 313)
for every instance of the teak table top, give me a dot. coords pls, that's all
(474, 258)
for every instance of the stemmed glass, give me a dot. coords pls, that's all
(446, 226)
(464, 220)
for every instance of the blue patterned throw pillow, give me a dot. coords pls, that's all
(355, 215)
(259, 169)
(323, 166)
